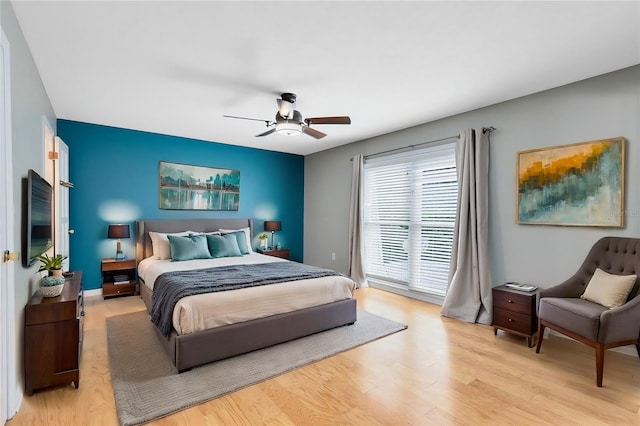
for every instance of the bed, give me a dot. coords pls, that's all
(201, 346)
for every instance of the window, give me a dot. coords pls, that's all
(409, 217)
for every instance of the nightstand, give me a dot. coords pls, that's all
(118, 277)
(514, 311)
(283, 253)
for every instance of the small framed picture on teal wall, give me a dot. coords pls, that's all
(189, 187)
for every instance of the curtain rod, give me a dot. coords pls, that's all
(420, 145)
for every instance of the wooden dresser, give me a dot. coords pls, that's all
(514, 311)
(53, 337)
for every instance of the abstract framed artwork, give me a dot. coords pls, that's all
(188, 187)
(580, 184)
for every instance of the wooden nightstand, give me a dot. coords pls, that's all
(515, 312)
(283, 253)
(118, 277)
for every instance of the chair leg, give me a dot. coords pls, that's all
(540, 336)
(599, 363)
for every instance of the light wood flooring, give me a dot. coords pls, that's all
(439, 371)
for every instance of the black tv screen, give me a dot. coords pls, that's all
(38, 219)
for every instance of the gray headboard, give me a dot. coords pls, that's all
(143, 242)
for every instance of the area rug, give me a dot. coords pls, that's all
(146, 385)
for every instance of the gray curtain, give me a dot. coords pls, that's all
(469, 295)
(356, 259)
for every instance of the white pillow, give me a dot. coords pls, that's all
(607, 289)
(247, 234)
(160, 243)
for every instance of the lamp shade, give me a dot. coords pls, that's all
(118, 231)
(272, 225)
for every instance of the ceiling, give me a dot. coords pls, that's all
(176, 67)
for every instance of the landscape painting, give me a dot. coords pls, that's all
(187, 187)
(572, 185)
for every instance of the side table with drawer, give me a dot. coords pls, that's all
(283, 253)
(514, 311)
(118, 277)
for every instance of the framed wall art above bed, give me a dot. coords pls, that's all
(188, 187)
(580, 184)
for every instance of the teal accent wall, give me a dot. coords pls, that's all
(115, 177)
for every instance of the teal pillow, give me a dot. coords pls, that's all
(223, 245)
(187, 248)
(242, 241)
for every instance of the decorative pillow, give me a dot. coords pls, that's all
(607, 289)
(247, 234)
(242, 241)
(187, 248)
(223, 245)
(160, 244)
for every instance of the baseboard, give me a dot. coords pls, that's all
(406, 291)
(93, 293)
(627, 350)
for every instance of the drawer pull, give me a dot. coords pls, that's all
(510, 301)
(510, 320)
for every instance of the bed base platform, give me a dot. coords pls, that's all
(191, 350)
(195, 349)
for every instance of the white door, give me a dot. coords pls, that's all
(62, 200)
(8, 343)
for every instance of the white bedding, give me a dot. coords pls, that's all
(204, 311)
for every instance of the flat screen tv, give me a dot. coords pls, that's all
(38, 218)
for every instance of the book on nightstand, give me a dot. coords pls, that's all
(521, 287)
(121, 279)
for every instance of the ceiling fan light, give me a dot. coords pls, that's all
(288, 128)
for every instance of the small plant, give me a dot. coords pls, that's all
(48, 263)
(263, 236)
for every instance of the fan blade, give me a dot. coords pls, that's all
(268, 132)
(343, 119)
(269, 122)
(313, 132)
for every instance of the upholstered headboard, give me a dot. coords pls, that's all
(144, 248)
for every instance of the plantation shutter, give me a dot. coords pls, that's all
(409, 217)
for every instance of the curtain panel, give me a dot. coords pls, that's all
(356, 258)
(469, 295)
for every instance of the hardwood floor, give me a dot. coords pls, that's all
(439, 371)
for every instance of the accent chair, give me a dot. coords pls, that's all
(600, 304)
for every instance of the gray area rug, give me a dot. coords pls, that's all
(147, 386)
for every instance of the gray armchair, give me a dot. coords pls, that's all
(562, 309)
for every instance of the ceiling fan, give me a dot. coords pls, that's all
(289, 121)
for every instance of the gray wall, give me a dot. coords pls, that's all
(598, 108)
(29, 103)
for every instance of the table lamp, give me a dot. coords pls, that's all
(272, 225)
(118, 231)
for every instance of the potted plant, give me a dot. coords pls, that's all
(51, 264)
(264, 239)
(52, 284)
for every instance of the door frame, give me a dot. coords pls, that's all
(9, 393)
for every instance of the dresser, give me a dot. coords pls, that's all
(514, 311)
(53, 332)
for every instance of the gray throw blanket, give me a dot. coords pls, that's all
(172, 286)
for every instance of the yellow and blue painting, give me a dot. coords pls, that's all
(572, 185)
(187, 187)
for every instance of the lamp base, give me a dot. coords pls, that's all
(119, 255)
